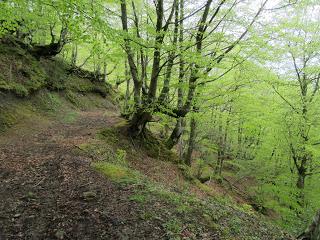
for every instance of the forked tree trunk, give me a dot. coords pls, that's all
(51, 49)
(138, 122)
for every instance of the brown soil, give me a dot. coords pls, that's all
(43, 180)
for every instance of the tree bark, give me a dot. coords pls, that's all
(178, 129)
(191, 142)
(166, 83)
(133, 68)
(74, 56)
(51, 49)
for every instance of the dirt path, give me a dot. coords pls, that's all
(49, 191)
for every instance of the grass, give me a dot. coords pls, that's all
(116, 172)
(12, 111)
(138, 197)
(173, 228)
(20, 73)
(70, 117)
(180, 212)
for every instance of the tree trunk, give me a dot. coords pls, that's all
(175, 135)
(178, 129)
(138, 122)
(218, 169)
(191, 142)
(166, 83)
(51, 49)
(133, 68)
(74, 56)
(105, 73)
(301, 180)
(127, 96)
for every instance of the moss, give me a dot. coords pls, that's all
(109, 135)
(48, 101)
(204, 187)
(7, 119)
(173, 228)
(86, 101)
(20, 73)
(79, 84)
(156, 148)
(186, 172)
(13, 110)
(116, 172)
(74, 98)
(56, 74)
(16, 88)
(139, 198)
(70, 117)
(101, 89)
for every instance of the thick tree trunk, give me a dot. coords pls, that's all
(175, 135)
(52, 49)
(191, 142)
(138, 122)
(301, 180)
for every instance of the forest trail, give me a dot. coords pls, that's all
(49, 191)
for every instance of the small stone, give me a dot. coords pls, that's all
(17, 215)
(89, 195)
(30, 195)
(59, 234)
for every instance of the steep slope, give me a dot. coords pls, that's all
(69, 171)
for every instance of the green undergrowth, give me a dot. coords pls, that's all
(116, 172)
(31, 87)
(12, 111)
(22, 74)
(48, 104)
(179, 211)
(148, 144)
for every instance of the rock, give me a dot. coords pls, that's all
(90, 195)
(59, 234)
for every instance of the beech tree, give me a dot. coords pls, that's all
(298, 41)
(212, 20)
